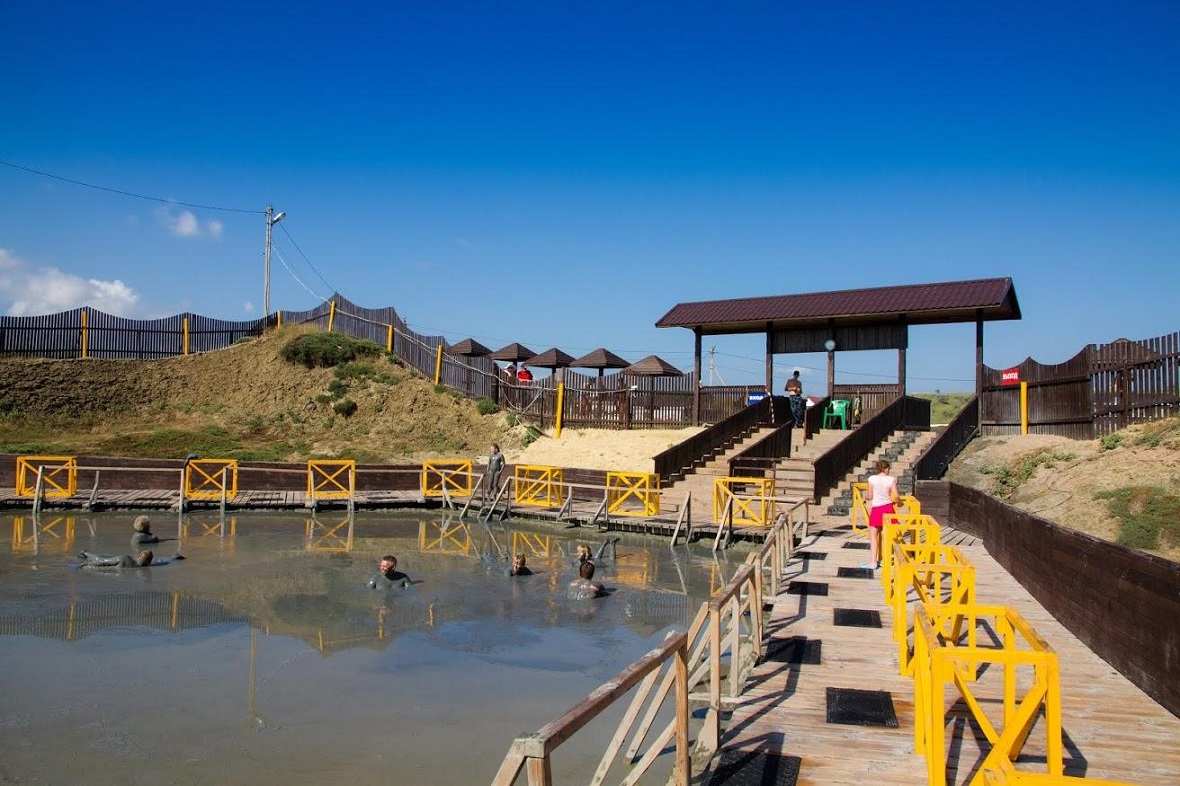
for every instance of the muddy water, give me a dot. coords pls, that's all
(264, 658)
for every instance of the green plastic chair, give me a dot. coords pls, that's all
(837, 411)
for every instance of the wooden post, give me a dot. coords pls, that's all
(711, 733)
(539, 771)
(85, 333)
(180, 513)
(331, 314)
(438, 364)
(1023, 407)
(900, 371)
(769, 360)
(683, 772)
(696, 377)
(279, 318)
(37, 499)
(184, 336)
(735, 645)
(560, 410)
(93, 492)
(979, 366)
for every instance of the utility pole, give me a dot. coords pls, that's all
(272, 218)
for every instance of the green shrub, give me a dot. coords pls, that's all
(1007, 479)
(323, 398)
(1111, 441)
(513, 420)
(485, 406)
(337, 388)
(1164, 433)
(1146, 515)
(531, 435)
(345, 407)
(440, 389)
(326, 349)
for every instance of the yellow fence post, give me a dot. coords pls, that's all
(640, 487)
(447, 478)
(560, 408)
(208, 479)
(184, 342)
(538, 486)
(1023, 407)
(59, 475)
(85, 333)
(331, 478)
(279, 318)
(389, 338)
(331, 314)
(438, 364)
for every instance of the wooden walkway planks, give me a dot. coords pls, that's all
(1112, 729)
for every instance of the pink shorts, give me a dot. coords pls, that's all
(877, 515)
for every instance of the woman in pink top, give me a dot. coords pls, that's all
(884, 495)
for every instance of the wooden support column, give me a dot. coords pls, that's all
(831, 373)
(696, 377)
(901, 371)
(769, 360)
(979, 365)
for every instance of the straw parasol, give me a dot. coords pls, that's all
(600, 359)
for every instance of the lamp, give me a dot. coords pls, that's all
(830, 345)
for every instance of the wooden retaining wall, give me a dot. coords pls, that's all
(1122, 603)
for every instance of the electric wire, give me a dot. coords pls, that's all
(148, 197)
(306, 259)
(279, 255)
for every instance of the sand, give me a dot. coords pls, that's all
(629, 451)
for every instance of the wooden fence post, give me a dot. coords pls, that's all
(184, 336)
(389, 339)
(85, 333)
(438, 364)
(331, 314)
(560, 410)
(683, 772)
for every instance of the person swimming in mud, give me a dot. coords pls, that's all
(601, 555)
(143, 559)
(519, 566)
(142, 531)
(584, 587)
(388, 576)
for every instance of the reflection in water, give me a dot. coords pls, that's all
(466, 647)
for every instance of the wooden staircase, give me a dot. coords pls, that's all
(699, 480)
(901, 449)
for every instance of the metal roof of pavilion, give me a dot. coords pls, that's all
(550, 358)
(469, 347)
(600, 358)
(653, 366)
(939, 303)
(513, 352)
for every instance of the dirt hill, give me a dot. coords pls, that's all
(1124, 487)
(244, 402)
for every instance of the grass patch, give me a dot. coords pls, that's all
(1111, 441)
(359, 370)
(345, 407)
(531, 435)
(1162, 433)
(1006, 479)
(1148, 515)
(211, 442)
(327, 350)
(944, 406)
(485, 406)
(337, 388)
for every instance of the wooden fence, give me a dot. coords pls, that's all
(1101, 389)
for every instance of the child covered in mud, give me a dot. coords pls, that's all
(142, 531)
(143, 559)
(388, 576)
(584, 587)
(519, 566)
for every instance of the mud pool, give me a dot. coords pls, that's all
(264, 658)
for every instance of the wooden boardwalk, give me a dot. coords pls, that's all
(1112, 729)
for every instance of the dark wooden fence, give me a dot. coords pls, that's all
(1101, 389)
(873, 397)
(905, 412)
(762, 456)
(672, 464)
(1121, 603)
(939, 454)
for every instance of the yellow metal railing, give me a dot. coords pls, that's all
(625, 490)
(331, 479)
(531, 544)
(59, 476)
(538, 486)
(447, 478)
(858, 511)
(210, 479)
(744, 501)
(444, 537)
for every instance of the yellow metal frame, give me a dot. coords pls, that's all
(531, 544)
(445, 538)
(322, 537)
(53, 484)
(640, 487)
(538, 486)
(46, 529)
(454, 475)
(858, 512)
(202, 479)
(324, 481)
(904, 528)
(749, 510)
(938, 576)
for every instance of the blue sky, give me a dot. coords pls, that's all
(562, 174)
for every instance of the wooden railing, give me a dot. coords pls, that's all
(672, 463)
(762, 456)
(939, 454)
(830, 468)
(687, 668)
(813, 420)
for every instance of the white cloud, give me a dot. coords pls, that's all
(46, 290)
(184, 223)
(214, 227)
(248, 307)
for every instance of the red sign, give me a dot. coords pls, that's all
(1010, 376)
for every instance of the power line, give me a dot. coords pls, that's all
(108, 189)
(298, 280)
(306, 259)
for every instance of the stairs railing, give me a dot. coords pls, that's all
(939, 454)
(830, 468)
(671, 464)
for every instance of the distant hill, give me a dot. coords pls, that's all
(944, 406)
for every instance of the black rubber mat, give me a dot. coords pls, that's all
(811, 554)
(794, 649)
(807, 588)
(861, 707)
(856, 545)
(754, 768)
(856, 618)
(854, 573)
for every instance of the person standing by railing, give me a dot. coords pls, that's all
(495, 467)
(795, 397)
(882, 503)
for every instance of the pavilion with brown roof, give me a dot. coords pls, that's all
(851, 319)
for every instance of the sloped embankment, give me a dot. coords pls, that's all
(244, 401)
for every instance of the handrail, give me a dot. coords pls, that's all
(841, 458)
(775, 445)
(672, 462)
(939, 454)
(813, 418)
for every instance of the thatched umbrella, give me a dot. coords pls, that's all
(469, 348)
(651, 366)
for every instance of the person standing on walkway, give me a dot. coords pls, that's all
(884, 498)
(495, 468)
(795, 397)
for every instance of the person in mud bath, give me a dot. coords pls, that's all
(388, 576)
(605, 552)
(142, 531)
(141, 560)
(584, 587)
(519, 567)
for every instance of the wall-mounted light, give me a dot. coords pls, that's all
(830, 345)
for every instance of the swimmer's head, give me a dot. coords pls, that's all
(518, 562)
(586, 570)
(142, 524)
(144, 558)
(583, 552)
(388, 564)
